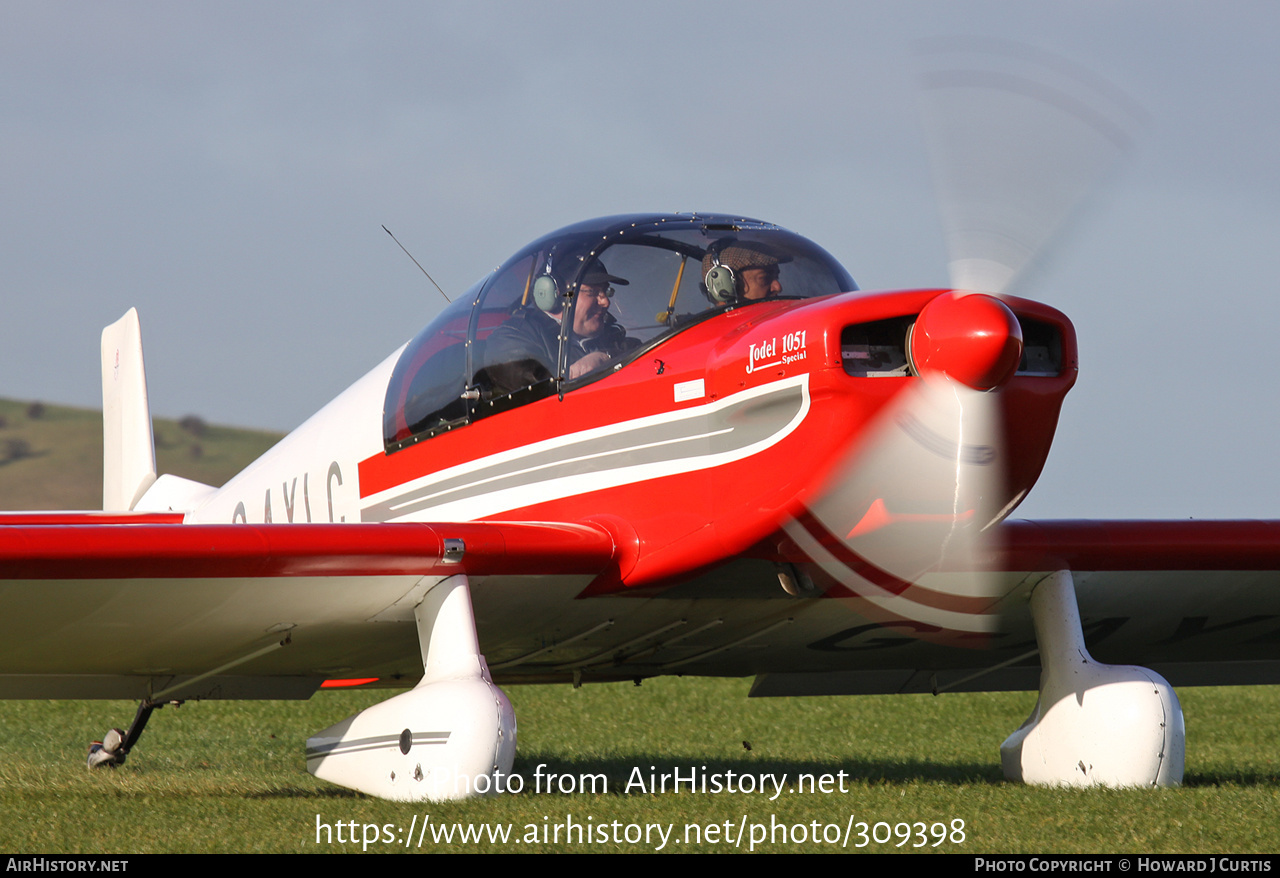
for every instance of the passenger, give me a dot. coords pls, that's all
(742, 271)
(524, 350)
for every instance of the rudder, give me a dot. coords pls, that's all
(128, 447)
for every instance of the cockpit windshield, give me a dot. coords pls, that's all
(586, 299)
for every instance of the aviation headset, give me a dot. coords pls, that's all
(546, 294)
(720, 282)
(546, 290)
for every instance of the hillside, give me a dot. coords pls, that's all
(51, 456)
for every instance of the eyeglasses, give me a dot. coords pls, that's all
(596, 290)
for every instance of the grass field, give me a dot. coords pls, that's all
(230, 777)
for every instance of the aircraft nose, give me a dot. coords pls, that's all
(972, 338)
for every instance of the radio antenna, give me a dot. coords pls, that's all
(419, 264)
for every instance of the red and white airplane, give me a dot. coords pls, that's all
(646, 445)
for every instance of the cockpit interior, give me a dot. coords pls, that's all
(588, 299)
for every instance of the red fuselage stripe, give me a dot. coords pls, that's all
(884, 579)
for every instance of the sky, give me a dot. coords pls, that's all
(227, 167)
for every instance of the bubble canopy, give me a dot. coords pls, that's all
(576, 304)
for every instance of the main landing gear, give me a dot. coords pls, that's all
(450, 737)
(1094, 724)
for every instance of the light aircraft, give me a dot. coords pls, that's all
(644, 445)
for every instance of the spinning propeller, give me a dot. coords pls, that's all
(1018, 140)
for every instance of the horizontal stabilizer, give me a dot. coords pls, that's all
(172, 493)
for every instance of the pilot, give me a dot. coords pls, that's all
(525, 349)
(742, 271)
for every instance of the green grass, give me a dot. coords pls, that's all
(230, 777)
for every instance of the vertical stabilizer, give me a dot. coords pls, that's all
(128, 449)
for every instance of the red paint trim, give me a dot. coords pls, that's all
(348, 684)
(884, 579)
(846, 556)
(1139, 545)
(538, 421)
(152, 551)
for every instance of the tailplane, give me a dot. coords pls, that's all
(128, 447)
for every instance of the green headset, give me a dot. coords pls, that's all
(546, 290)
(720, 282)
